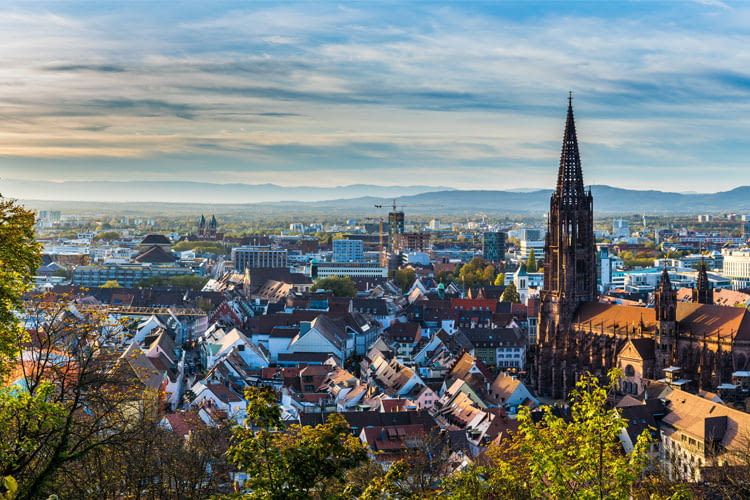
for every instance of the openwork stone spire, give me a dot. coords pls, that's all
(570, 176)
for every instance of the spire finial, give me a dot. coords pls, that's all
(570, 98)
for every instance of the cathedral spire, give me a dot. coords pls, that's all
(570, 176)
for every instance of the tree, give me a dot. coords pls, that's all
(341, 286)
(68, 398)
(19, 259)
(499, 279)
(531, 262)
(110, 284)
(405, 278)
(292, 462)
(476, 272)
(153, 463)
(510, 294)
(108, 236)
(418, 473)
(556, 457)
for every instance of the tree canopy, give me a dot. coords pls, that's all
(477, 272)
(19, 259)
(295, 462)
(579, 456)
(341, 286)
(405, 278)
(531, 265)
(510, 294)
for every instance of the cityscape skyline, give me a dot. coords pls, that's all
(326, 94)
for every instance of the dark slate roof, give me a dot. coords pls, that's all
(645, 348)
(377, 307)
(493, 337)
(155, 255)
(260, 275)
(360, 419)
(156, 239)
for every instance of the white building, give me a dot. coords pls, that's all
(620, 229)
(250, 257)
(736, 266)
(352, 269)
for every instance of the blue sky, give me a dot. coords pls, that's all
(470, 95)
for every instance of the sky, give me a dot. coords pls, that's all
(468, 95)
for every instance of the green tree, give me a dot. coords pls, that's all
(531, 262)
(292, 462)
(200, 247)
(110, 284)
(499, 279)
(341, 286)
(108, 236)
(510, 294)
(19, 259)
(405, 278)
(579, 457)
(476, 272)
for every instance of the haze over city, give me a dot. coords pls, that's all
(469, 96)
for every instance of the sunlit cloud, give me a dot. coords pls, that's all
(456, 94)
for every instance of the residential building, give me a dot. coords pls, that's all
(346, 250)
(493, 246)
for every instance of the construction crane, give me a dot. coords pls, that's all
(393, 207)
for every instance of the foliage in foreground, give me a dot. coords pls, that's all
(298, 462)
(578, 457)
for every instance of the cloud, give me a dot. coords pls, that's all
(356, 90)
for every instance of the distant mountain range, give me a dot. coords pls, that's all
(360, 198)
(607, 199)
(199, 192)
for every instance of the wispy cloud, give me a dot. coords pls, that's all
(463, 94)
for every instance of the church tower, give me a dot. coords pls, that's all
(665, 303)
(702, 293)
(569, 265)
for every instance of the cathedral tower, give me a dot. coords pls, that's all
(665, 303)
(569, 264)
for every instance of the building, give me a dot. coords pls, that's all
(528, 244)
(352, 269)
(493, 246)
(620, 229)
(208, 230)
(251, 257)
(736, 266)
(578, 334)
(126, 275)
(607, 264)
(419, 242)
(395, 224)
(345, 250)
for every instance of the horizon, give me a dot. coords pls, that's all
(428, 94)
